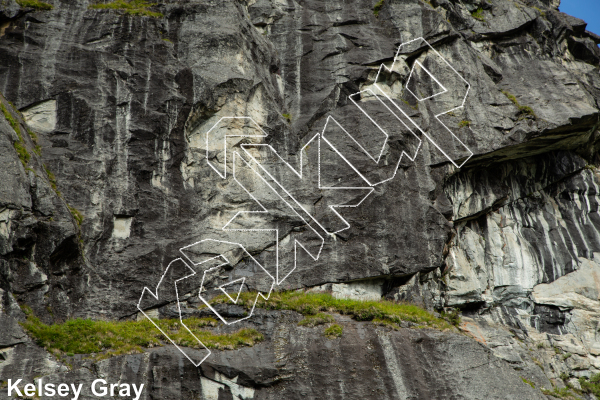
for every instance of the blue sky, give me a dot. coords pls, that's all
(587, 10)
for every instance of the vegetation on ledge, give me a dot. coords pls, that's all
(19, 145)
(110, 338)
(561, 393)
(592, 385)
(310, 304)
(317, 319)
(104, 339)
(35, 4)
(133, 7)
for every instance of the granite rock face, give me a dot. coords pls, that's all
(366, 363)
(117, 181)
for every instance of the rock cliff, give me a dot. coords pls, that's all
(104, 177)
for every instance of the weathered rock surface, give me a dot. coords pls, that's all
(122, 104)
(367, 362)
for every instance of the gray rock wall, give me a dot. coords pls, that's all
(121, 105)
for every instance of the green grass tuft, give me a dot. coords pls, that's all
(528, 382)
(333, 331)
(415, 107)
(313, 303)
(77, 215)
(464, 123)
(133, 7)
(35, 4)
(24, 155)
(13, 122)
(19, 145)
(526, 110)
(52, 180)
(478, 14)
(561, 393)
(386, 323)
(592, 385)
(453, 316)
(523, 110)
(32, 135)
(542, 12)
(37, 149)
(26, 310)
(317, 319)
(110, 338)
(510, 97)
(287, 116)
(377, 7)
(538, 363)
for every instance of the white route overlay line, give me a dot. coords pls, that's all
(429, 97)
(239, 291)
(299, 173)
(237, 158)
(224, 174)
(331, 119)
(206, 302)
(155, 296)
(319, 136)
(296, 242)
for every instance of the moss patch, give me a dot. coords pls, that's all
(528, 382)
(51, 179)
(19, 145)
(317, 319)
(13, 122)
(387, 324)
(35, 4)
(76, 214)
(34, 139)
(133, 7)
(110, 338)
(415, 107)
(452, 316)
(464, 123)
(377, 7)
(542, 12)
(333, 331)
(313, 303)
(478, 14)
(24, 155)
